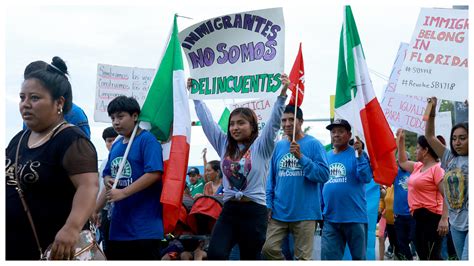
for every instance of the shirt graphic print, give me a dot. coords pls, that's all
(126, 179)
(289, 166)
(236, 172)
(337, 173)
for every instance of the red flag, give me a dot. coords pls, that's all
(297, 79)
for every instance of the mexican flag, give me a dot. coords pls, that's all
(355, 102)
(166, 108)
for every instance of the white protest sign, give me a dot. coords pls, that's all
(443, 125)
(403, 111)
(437, 59)
(262, 108)
(113, 81)
(239, 55)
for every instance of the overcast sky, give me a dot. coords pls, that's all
(133, 34)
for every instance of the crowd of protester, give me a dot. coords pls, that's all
(269, 193)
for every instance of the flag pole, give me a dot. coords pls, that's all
(296, 105)
(122, 163)
(355, 129)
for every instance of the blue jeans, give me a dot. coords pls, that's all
(461, 241)
(234, 253)
(337, 235)
(448, 252)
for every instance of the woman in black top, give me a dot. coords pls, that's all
(57, 169)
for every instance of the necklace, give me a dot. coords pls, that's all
(39, 142)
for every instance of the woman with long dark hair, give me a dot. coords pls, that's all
(244, 163)
(455, 162)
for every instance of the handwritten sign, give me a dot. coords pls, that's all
(239, 55)
(437, 59)
(403, 111)
(113, 81)
(262, 108)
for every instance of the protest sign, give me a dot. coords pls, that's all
(262, 108)
(403, 111)
(443, 125)
(239, 55)
(437, 59)
(113, 81)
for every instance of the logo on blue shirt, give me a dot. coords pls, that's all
(337, 173)
(126, 178)
(403, 182)
(289, 166)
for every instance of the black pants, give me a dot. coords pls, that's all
(392, 238)
(144, 249)
(405, 230)
(244, 223)
(427, 239)
(104, 230)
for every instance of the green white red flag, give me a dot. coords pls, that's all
(362, 110)
(166, 108)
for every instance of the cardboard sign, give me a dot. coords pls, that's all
(437, 59)
(113, 81)
(239, 55)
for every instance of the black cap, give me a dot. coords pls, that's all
(193, 171)
(339, 122)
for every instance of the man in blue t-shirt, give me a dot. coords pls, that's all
(345, 206)
(297, 170)
(136, 224)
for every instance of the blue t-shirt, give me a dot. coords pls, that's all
(138, 216)
(294, 185)
(400, 198)
(344, 193)
(77, 117)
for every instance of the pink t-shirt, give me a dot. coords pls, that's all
(423, 188)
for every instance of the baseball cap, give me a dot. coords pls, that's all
(339, 122)
(193, 171)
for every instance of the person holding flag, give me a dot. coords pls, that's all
(244, 162)
(355, 102)
(136, 227)
(345, 205)
(297, 171)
